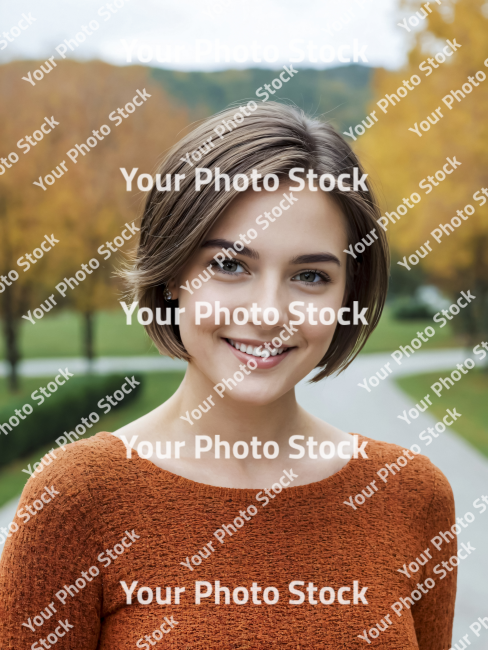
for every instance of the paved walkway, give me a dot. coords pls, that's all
(343, 403)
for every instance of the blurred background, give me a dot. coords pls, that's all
(195, 58)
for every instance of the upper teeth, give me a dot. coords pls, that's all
(255, 351)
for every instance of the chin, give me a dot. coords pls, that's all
(255, 395)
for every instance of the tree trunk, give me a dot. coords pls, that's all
(482, 317)
(11, 330)
(11, 320)
(89, 336)
(480, 307)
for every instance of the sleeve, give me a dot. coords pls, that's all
(48, 591)
(434, 614)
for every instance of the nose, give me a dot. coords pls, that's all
(269, 309)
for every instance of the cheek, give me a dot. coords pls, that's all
(228, 295)
(198, 318)
(320, 335)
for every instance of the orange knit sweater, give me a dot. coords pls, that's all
(125, 522)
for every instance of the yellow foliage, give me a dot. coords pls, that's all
(88, 205)
(399, 159)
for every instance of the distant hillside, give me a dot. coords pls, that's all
(338, 94)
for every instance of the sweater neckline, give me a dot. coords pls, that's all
(318, 487)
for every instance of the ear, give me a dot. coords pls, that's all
(173, 287)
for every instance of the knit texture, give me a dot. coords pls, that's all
(306, 533)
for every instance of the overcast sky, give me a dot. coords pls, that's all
(195, 34)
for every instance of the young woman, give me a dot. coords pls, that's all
(229, 517)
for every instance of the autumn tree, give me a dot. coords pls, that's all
(399, 158)
(88, 204)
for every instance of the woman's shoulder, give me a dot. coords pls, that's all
(102, 448)
(407, 468)
(82, 464)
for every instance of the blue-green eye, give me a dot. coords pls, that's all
(231, 267)
(311, 277)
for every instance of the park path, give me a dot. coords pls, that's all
(342, 402)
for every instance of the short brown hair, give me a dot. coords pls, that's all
(273, 139)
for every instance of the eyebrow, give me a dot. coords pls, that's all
(315, 257)
(310, 258)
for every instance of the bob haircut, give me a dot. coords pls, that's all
(272, 139)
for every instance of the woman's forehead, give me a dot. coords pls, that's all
(303, 216)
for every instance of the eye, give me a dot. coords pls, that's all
(231, 267)
(312, 277)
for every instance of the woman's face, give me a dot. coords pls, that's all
(298, 257)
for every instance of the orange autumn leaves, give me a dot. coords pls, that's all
(87, 204)
(398, 158)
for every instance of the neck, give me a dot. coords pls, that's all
(206, 414)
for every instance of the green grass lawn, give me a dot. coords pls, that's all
(468, 396)
(391, 333)
(61, 336)
(156, 388)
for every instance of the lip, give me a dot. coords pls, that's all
(270, 362)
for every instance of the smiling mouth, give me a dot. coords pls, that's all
(260, 350)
